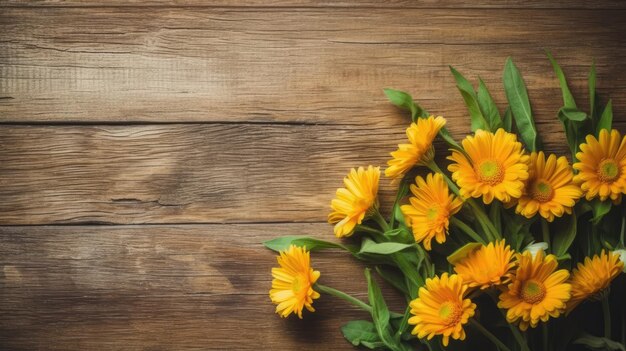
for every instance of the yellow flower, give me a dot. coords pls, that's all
(594, 276)
(497, 166)
(549, 189)
(441, 309)
(602, 166)
(487, 266)
(420, 151)
(430, 209)
(292, 287)
(537, 292)
(354, 202)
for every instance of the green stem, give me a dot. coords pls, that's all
(405, 321)
(381, 221)
(516, 333)
(366, 229)
(467, 230)
(545, 231)
(342, 295)
(484, 221)
(488, 335)
(353, 300)
(606, 309)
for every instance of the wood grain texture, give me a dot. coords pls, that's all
(287, 65)
(162, 288)
(212, 127)
(541, 4)
(206, 173)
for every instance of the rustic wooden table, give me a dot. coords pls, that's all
(148, 148)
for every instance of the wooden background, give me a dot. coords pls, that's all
(148, 148)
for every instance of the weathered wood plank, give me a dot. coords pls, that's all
(559, 4)
(286, 65)
(162, 288)
(203, 173)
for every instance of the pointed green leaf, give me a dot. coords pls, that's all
(463, 252)
(380, 313)
(405, 101)
(599, 343)
(471, 101)
(462, 83)
(488, 107)
(282, 243)
(606, 120)
(564, 235)
(568, 98)
(360, 333)
(507, 120)
(394, 278)
(592, 94)
(572, 114)
(517, 96)
(386, 248)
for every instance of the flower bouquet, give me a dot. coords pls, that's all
(515, 246)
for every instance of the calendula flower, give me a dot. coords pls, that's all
(430, 209)
(487, 266)
(549, 189)
(496, 168)
(420, 151)
(292, 287)
(602, 166)
(355, 202)
(594, 276)
(537, 291)
(441, 309)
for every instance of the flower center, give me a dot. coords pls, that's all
(542, 191)
(490, 172)
(533, 291)
(450, 313)
(432, 213)
(608, 170)
(297, 284)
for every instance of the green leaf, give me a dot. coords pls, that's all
(447, 137)
(598, 343)
(360, 332)
(565, 235)
(517, 96)
(394, 278)
(405, 101)
(600, 209)
(387, 248)
(568, 98)
(488, 107)
(507, 120)
(380, 313)
(409, 264)
(495, 216)
(463, 252)
(396, 213)
(592, 94)
(400, 235)
(282, 243)
(471, 101)
(572, 114)
(461, 82)
(606, 120)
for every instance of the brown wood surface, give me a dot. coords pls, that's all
(148, 148)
